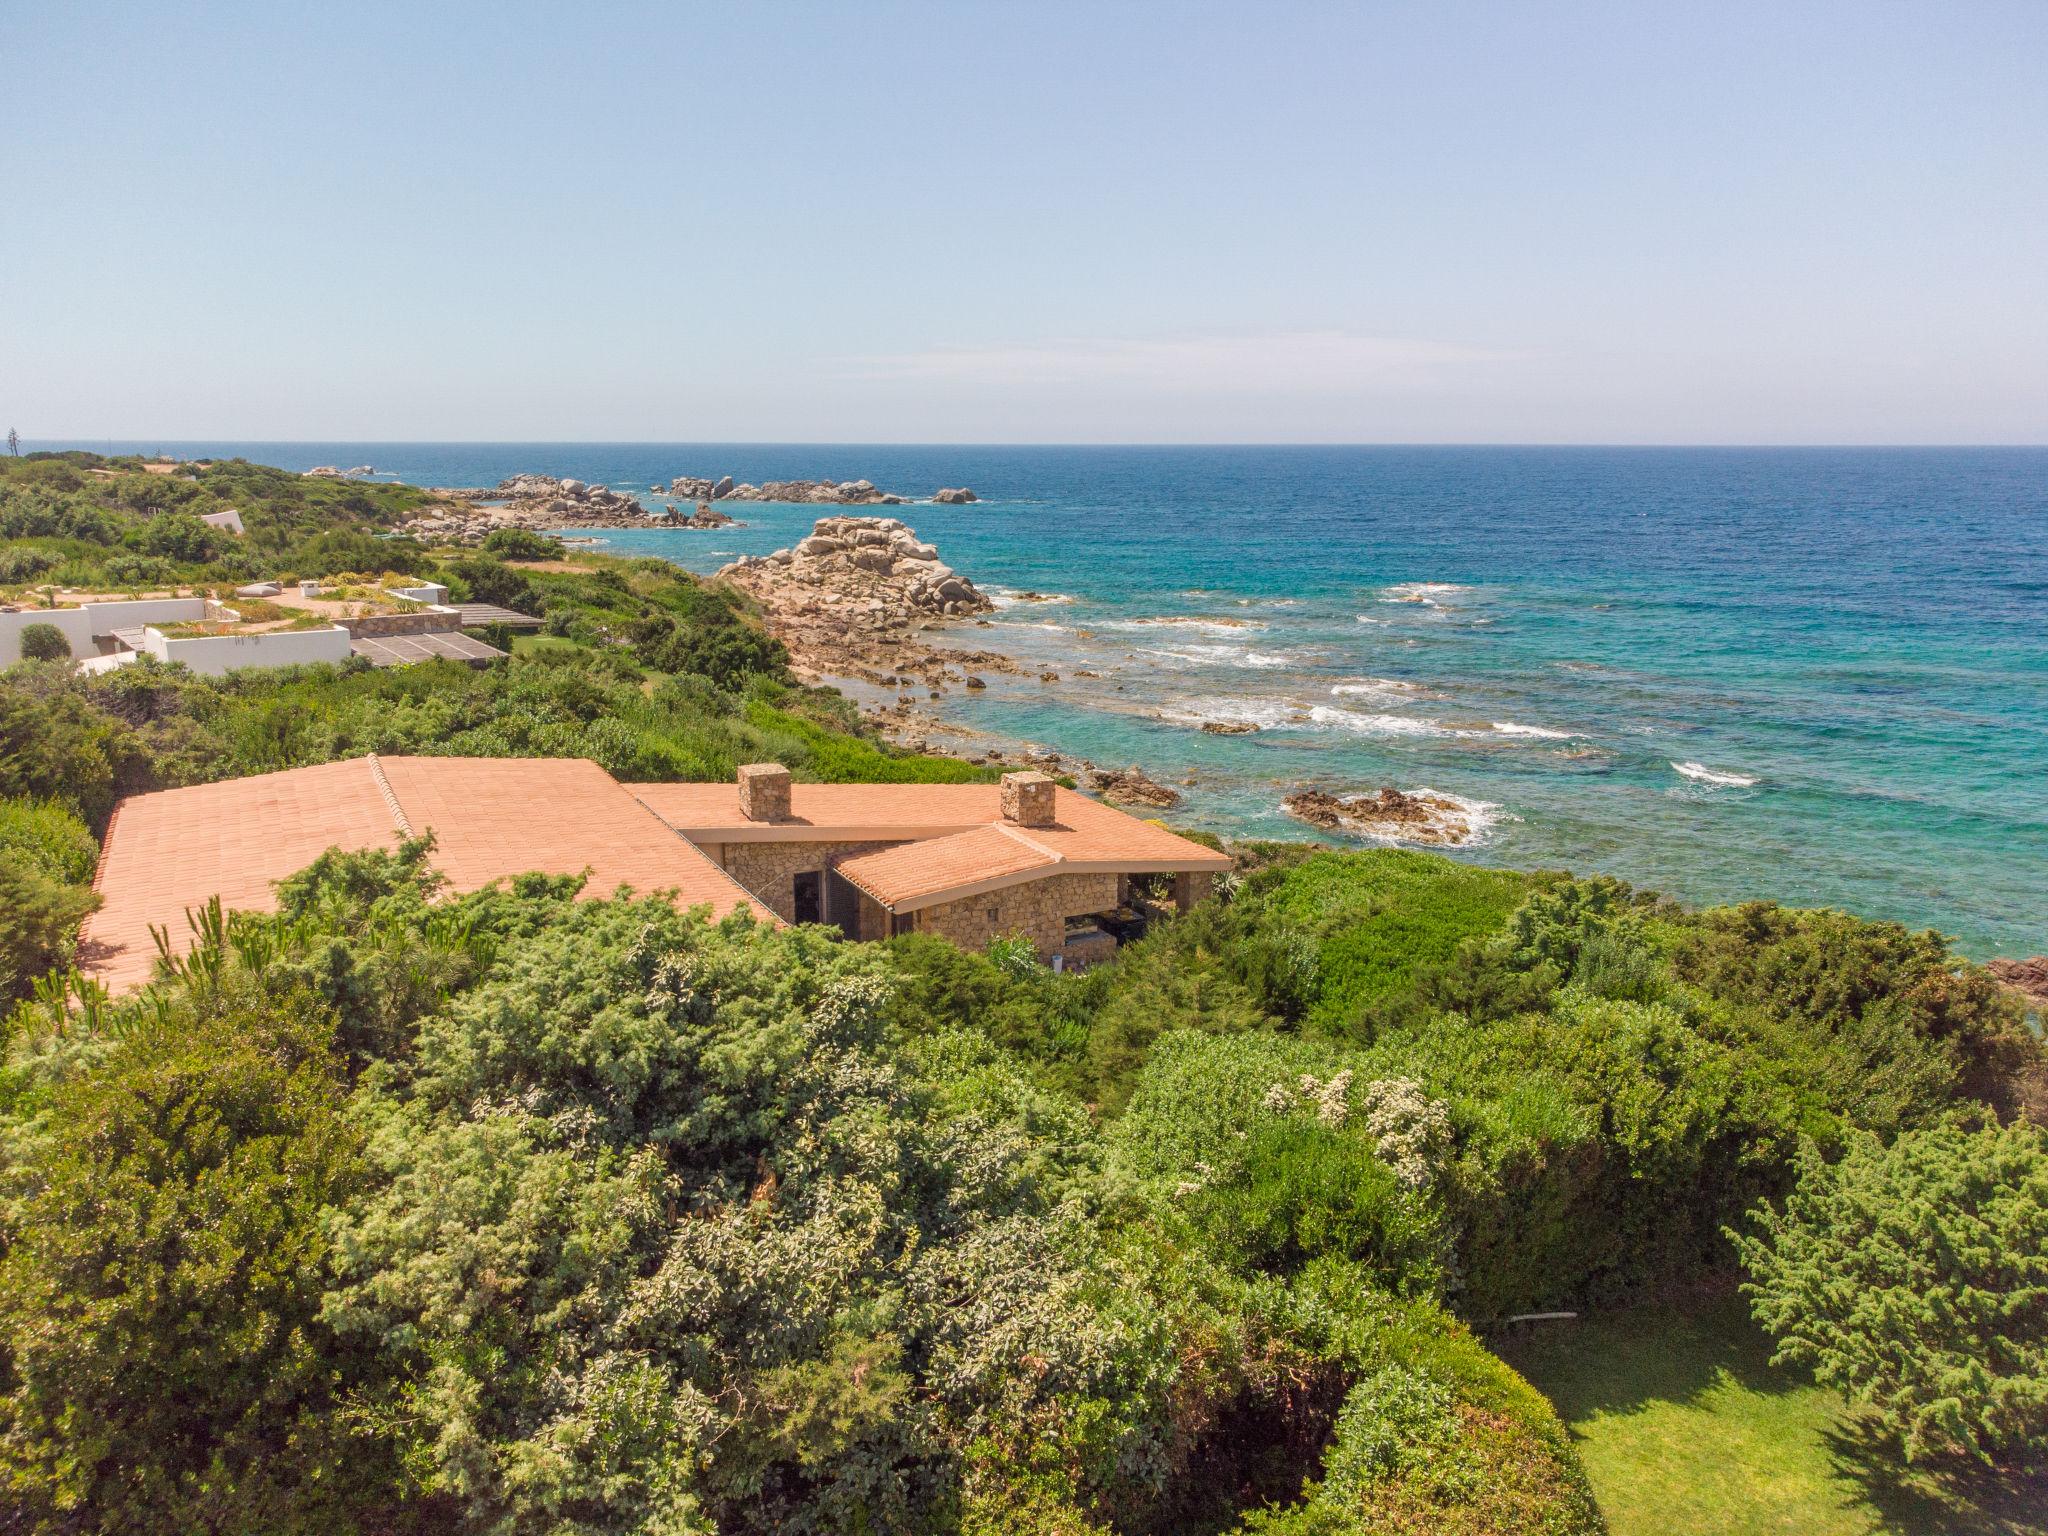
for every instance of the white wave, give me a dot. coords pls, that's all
(1261, 714)
(1329, 716)
(1538, 732)
(1699, 773)
(1008, 597)
(1430, 594)
(1382, 688)
(1287, 715)
(1366, 618)
(1226, 656)
(1224, 627)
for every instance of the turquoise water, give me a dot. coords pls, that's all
(1816, 675)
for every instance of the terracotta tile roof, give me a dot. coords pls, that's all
(170, 851)
(705, 810)
(167, 853)
(1085, 831)
(985, 858)
(499, 816)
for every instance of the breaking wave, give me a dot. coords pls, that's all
(1226, 656)
(1429, 594)
(1199, 625)
(1699, 773)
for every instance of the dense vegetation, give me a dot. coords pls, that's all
(519, 1213)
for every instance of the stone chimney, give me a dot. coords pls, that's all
(1028, 799)
(764, 792)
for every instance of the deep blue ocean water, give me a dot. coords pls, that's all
(1817, 675)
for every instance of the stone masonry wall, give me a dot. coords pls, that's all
(769, 870)
(1038, 909)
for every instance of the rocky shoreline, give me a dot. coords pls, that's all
(859, 598)
(470, 514)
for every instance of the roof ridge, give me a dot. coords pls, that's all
(1029, 842)
(398, 816)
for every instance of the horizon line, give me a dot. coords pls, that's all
(44, 444)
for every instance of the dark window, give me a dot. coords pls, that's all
(901, 923)
(808, 885)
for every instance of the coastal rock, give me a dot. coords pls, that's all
(1132, 786)
(954, 496)
(539, 502)
(847, 493)
(706, 516)
(1229, 727)
(851, 598)
(2029, 978)
(1395, 815)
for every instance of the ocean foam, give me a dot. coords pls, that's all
(1538, 732)
(1226, 656)
(1429, 594)
(1010, 597)
(1263, 714)
(1699, 773)
(1332, 718)
(1383, 688)
(1224, 627)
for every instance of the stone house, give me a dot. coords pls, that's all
(969, 862)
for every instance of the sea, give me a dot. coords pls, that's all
(1818, 676)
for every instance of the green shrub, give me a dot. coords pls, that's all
(48, 837)
(1914, 1277)
(25, 564)
(44, 642)
(521, 544)
(160, 1294)
(1885, 1027)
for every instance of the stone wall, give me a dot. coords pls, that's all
(769, 870)
(1038, 909)
(427, 622)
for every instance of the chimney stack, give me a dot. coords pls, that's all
(1028, 799)
(764, 792)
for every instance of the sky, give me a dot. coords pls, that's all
(1026, 222)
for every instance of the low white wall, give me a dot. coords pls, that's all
(427, 592)
(215, 655)
(80, 624)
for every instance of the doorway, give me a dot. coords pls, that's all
(809, 885)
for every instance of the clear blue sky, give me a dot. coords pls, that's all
(1039, 221)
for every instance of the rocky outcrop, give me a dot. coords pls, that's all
(706, 516)
(2029, 978)
(1132, 786)
(330, 472)
(1422, 817)
(851, 599)
(528, 501)
(845, 493)
(955, 496)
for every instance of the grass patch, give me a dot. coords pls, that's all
(1687, 1430)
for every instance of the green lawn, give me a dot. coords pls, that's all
(1687, 1430)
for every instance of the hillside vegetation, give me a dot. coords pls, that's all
(401, 1212)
